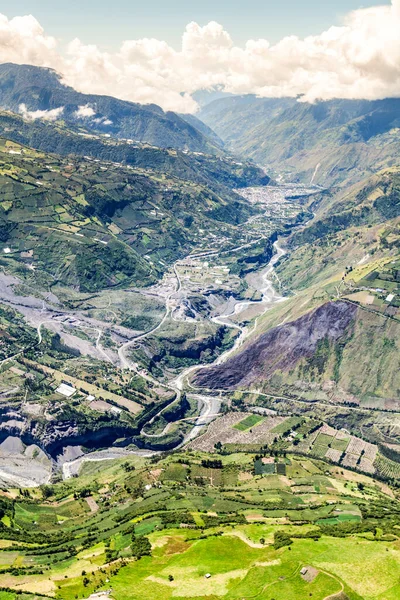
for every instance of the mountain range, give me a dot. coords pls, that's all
(199, 346)
(38, 92)
(327, 143)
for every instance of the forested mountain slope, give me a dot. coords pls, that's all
(223, 173)
(328, 143)
(93, 224)
(28, 89)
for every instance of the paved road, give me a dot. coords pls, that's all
(72, 467)
(210, 407)
(126, 363)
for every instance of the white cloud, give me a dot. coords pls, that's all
(84, 112)
(22, 40)
(102, 121)
(87, 112)
(45, 115)
(360, 59)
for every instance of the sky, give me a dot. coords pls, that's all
(91, 21)
(162, 52)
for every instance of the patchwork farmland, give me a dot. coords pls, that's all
(233, 429)
(240, 431)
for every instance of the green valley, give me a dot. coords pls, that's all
(199, 354)
(326, 143)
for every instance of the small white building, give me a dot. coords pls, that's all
(389, 298)
(66, 390)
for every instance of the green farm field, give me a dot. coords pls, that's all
(184, 526)
(360, 568)
(249, 422)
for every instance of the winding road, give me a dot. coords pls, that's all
(125, 362)
(269, 297)
(210, 405)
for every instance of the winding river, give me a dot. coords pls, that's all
(209, 406)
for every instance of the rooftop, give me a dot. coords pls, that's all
(66, 390)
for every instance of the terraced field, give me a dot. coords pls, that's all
(59, 215)
(194, 525)
(233, 429)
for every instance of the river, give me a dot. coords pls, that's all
(209, 406)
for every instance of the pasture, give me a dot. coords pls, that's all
(285, 534)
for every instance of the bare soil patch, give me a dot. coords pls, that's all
(94, 507)
(310, 574)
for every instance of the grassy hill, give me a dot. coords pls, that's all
(218, 527)
(337, 335)
(61, 216)
(328, 142)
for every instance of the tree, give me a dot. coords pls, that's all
(140, 546)
(47, 491)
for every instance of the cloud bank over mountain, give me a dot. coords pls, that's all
(360, 59)
(44, 115)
